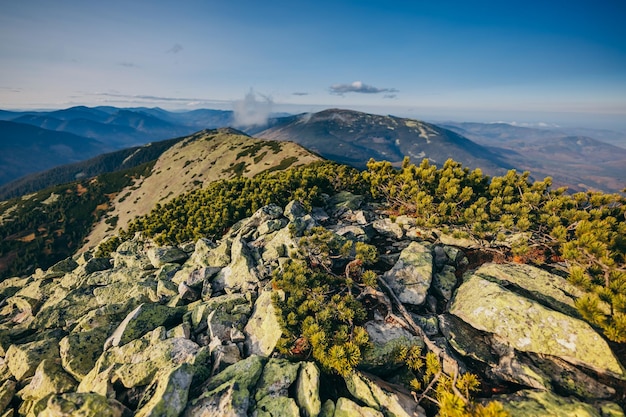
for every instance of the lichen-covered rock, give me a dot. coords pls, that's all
(93, 265)
(19, 310)
(167, 395)
(348, 408)
(10, 286)
(24, 359)
(387, 227)
(328, 409)
(228, 393)
(137, 362)
(385, 339)
(280, 245)
(445, 281)
(502, 360)
(411, 276)
(544, 403)
(49, 378)
(391, 400)
(200, 255)
(7, 391)
(84, 405)
(293, 210)
(224, 315)
(64, 266)
(161, 255)
(278, 375)
(299, 220)
(549, 289)
(120, 292)
(271, 226)
(308, 390)
(570, 380)
(166, 289)
(225, 355)
(276, 407)
(351, 232)
(141, 320)
(66, 311)
(263, 330)
(452, 239)
(131, 254)
(218, 256)
(196, 278)
(80, 350)
(530, 327)
(240, 275)
(345, 200)
(105, 316)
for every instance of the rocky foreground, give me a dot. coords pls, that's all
(191, 330)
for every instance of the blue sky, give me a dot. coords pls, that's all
(528, 61)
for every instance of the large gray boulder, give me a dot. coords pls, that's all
(167, 395)
(229, 392)
(161, 255)
(272, 395)
(24, 359)
(529, 326)
(263, 330)
(411, 276)
(308, 390)
(530, 403)
(141, 320)
(392, 401)
(84, 405)
(49, 378)
(224, 316)
(548, 289)
(131, 254)
(348, 408)
(240, 275)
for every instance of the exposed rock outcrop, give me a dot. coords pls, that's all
(192, 330)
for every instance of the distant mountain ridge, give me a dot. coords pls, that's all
(103, 163)
(99, 129)
(342, 135)
(25, 148)
(577, 161)
(353, 138)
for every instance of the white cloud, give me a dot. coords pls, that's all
(529, 124)
(250, 112)
(359, 87)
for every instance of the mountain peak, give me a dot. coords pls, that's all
(354, 137)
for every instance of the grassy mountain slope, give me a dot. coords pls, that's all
(41, 228)
(353, 137)
(108, 162)
(193, 163)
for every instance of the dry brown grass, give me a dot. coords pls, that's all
(194, 163)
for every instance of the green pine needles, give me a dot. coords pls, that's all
(319, 317)
(318, 308)
(584, 232)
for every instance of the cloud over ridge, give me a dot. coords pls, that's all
(359, 87)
